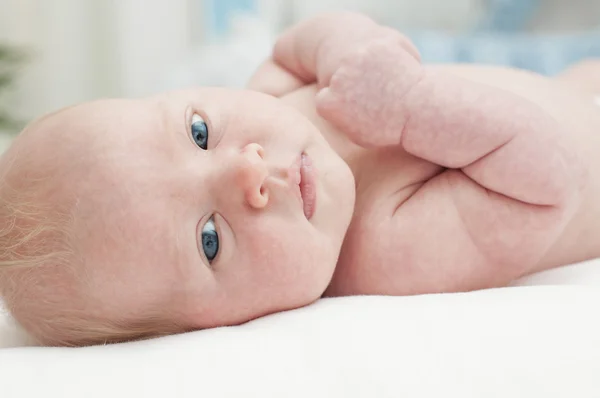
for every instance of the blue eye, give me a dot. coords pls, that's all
(199, 131)
(210, 240)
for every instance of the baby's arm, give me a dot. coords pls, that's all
(293, 63)
(273, 79)
(513, 181)
(377, 92)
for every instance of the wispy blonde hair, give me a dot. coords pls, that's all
(38, 258)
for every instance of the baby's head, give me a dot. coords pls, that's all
(125, 219)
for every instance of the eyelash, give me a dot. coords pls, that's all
(213, 132)
(210, 132)
(211, 220)
(199, 130)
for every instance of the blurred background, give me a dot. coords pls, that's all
(54, 53)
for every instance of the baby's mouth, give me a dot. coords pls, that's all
(308, 186)
(304, 182)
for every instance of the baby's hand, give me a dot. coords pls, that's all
(364, 95)
(363, 68)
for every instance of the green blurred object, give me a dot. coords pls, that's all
(11, 59)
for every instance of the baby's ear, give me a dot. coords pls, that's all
(271, 78)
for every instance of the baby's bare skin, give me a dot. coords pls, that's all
(510, 184)
(211, 207)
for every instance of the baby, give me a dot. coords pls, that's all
(357, 171)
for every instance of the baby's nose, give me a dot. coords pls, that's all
(251, 175)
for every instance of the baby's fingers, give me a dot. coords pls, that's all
(314, 49)
(339, 113)
(365, 98)
(362, 124)
(270, 78)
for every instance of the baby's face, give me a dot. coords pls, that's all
(212, 206)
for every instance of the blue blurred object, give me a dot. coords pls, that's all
(499, 39)
(218, 15)
(508, 15)
(547, 54)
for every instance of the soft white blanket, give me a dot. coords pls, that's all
(526, 341)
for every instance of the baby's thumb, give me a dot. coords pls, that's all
(328, 105)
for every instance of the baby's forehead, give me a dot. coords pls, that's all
(83, 147)
(136, 126)
(87, 110)
(92, 126)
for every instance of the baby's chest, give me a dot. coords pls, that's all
(405, 227)
(400, 230)
(386, 178)
(388, 182)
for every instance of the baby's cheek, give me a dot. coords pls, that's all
(289, 264)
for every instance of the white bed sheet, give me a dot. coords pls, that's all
(522, 341)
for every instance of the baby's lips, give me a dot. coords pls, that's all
(294, 178)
